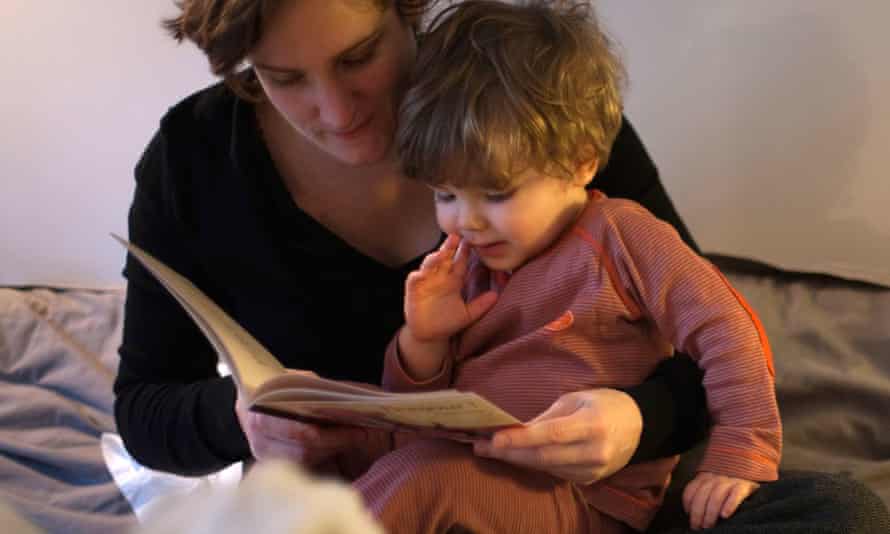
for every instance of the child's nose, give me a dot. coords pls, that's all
(471, 219)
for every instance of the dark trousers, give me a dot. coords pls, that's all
(800, 502)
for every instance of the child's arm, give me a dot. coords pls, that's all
(435, 310)
(421, 360)
(696, 309)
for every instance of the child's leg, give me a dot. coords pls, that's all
(431, 486)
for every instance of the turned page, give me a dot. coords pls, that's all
(250, 362)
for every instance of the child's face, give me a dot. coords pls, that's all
(508, 228)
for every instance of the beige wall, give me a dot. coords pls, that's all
(84, 83)
(770, 121)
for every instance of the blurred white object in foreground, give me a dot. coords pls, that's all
(276, 497)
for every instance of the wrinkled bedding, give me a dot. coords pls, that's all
(58, 353)
(831, 347)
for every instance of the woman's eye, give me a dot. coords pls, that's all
(499, 196)
(285, 81)
(357, 61)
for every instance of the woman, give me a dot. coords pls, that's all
(277, 194)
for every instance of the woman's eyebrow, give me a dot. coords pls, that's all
(370, 38)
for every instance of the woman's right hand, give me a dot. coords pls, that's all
(303, 443)
(583, 437)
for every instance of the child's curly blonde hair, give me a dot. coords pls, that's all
(499, 88)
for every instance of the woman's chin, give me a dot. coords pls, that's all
(357, 154)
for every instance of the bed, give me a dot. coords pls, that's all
(830, 337)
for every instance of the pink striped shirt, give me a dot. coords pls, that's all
(600, 308)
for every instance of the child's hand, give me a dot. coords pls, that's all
(709, 496)
(434, 306)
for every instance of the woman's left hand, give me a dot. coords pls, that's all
(583, 437)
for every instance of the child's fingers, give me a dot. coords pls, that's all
(431, 261)
(413, 278)
(459, 262)
(477, 307)
(719, 492)
(738, 494)
(689, 494)
(699, 503)
(450, 244)
(443, 257)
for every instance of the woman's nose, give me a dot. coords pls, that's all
(336, 106)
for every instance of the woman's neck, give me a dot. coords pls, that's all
(307, 169)
(373, 207)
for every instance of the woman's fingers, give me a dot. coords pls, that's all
(583, 437)
(280, 428)
(581, 462)
(552, 426)
(581, 453)
(558, 431)
(271, 436)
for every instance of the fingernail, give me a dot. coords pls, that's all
(500, 441)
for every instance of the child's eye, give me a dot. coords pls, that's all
(443, 196)
(499, 196)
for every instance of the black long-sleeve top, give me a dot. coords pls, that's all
(210, 203)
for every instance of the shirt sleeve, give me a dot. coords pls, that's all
(698, 311)
(396, 379)
(172, 409)
(671, 401)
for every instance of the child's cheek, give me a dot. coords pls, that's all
(445, 218)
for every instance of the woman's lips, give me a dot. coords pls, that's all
(354, 132)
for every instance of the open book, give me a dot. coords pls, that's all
(269, 387)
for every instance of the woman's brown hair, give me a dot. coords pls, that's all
(227, 30)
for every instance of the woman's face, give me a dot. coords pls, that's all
(335, 70)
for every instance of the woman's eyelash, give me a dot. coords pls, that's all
(360, 60)
(289, 80)
(363, 56)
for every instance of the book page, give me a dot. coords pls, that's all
(292, 385)
(447, 409)
(250, 362)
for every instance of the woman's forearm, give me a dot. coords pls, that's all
(674, 409)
